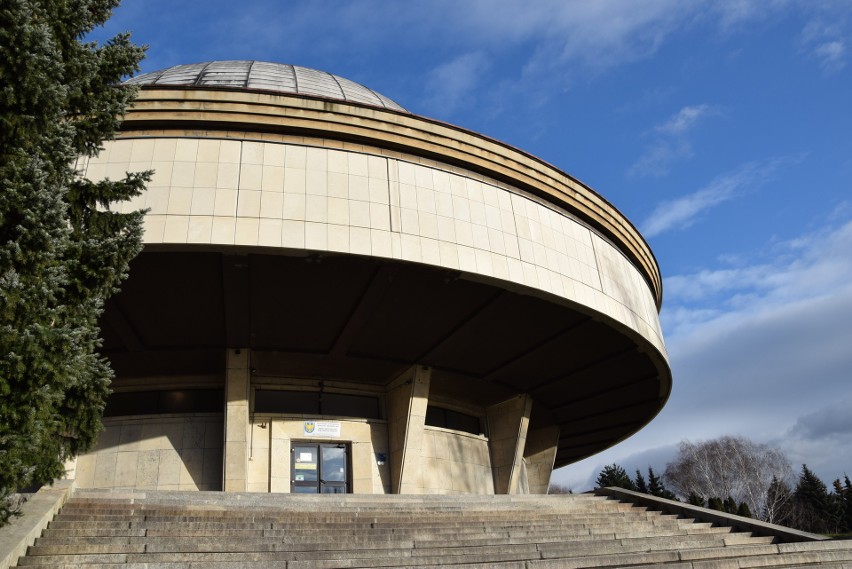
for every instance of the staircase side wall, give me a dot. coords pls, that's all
(453, 462)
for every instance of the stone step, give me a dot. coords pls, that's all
(191, 496)
(214, 500)
(360, 540)
(638, 545)
(290, 559)
(191, 565)
(391, 541)
(437, 532)
(396, 515)
(762, 556)
(297, 506)
(635, 561)
(400, 517)
(319, 532)
(773, 555)
(502, 561)
(168, 528)
(382, 557)
(349, 513)
(60, 528)
(422, 521)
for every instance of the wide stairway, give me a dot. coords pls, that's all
(196, 530)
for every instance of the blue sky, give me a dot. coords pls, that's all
(722, 129)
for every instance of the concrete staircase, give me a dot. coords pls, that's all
(196, 530)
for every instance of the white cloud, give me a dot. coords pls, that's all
(824, 39)
(545, 46)
(775, 369)
(733, 13)
(671, 143)
(452, 84)
(781, 361)
(828, 422)
(808, 266)
(605, 34)
(659, 157)
(832, 55)
(595, 36)
(561, 39)
(821, 439)
(685, 119)
(682, 212)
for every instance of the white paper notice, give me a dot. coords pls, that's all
(322, 429)
(305, 457)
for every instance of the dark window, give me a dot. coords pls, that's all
(315, 403)
(165, 401)
(137, 403)
(350, 405)
(449, 419)
(274, 401)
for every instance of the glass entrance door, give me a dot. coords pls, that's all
(317, 468)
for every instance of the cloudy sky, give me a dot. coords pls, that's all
(722, 128)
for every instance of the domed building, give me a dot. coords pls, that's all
(337, 295)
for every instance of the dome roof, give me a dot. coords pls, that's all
(267, 76)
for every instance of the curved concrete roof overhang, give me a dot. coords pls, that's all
(211, 108)
(594, 364)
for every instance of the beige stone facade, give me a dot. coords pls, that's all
(155, 453)
(451, 314)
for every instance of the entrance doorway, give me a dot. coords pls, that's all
(318, 468)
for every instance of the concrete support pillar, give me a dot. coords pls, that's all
(539, 455)
(407, 399)
(507, 432)
(237, 379)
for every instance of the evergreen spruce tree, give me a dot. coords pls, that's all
(62, 251)
(730, 505)
(639, 482)
(814, 510)
(716, 504)
(656, 487)
(695, 500)
(840, 498)
(614, 475)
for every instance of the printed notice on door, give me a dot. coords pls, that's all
(322, 428)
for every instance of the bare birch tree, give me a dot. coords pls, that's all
(778, 500)
(730, 467)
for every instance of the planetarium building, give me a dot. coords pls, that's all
(337, 295)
